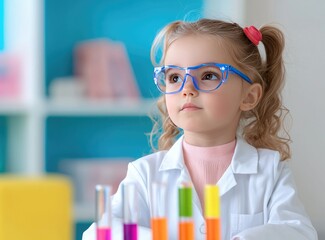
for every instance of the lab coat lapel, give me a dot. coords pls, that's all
(244, 161)
(227, 181)
(174, 157)
(174, 160)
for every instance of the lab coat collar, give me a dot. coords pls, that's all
(174, 158)
(244, 161)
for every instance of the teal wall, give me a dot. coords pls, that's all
(3, 143)
(135, 23)
(95, 137)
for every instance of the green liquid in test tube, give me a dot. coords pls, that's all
(186, 223)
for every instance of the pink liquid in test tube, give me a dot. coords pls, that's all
(103, 212)
(103, 233)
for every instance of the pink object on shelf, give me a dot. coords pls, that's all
(105, 68)
(9, 76)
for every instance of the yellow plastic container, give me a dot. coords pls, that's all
(35, 208)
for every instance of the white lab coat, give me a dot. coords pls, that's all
(258, 196)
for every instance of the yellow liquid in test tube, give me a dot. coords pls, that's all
(212, 212)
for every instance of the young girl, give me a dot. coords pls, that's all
(221, 118)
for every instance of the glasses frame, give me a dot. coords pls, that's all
(224, 68)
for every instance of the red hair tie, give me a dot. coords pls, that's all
(253, 34)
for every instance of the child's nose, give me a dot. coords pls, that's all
(189, 88)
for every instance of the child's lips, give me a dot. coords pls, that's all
(190, 106)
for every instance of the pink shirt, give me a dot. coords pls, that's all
(206, 165)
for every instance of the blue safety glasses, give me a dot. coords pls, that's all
(206, 77)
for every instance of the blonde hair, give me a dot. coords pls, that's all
(261, 126)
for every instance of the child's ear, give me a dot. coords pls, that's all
(251, 97)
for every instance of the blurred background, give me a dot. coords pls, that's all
(62, 111)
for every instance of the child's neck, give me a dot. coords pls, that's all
(204, 140)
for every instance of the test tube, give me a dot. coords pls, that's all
(103, 212)
(130, 212)
(212, 212)
(158, 211)
(186, 223)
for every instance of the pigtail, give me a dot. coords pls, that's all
(264, 130)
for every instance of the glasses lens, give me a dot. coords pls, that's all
(207, 78)
(160, 79)
(170, 79)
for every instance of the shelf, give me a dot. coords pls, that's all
(13, 108)
(100, 108)
(141, 107)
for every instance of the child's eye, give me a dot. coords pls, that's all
(211, 76)
(174, 78)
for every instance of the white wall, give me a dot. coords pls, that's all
(303, 23)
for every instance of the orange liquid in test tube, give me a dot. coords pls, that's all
(159, 228)
(158, 212)
(213, 229)
(186, 230)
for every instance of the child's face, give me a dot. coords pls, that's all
(208, 118)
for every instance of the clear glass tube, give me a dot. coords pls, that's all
(103, 212)
(159, 211)
(130, 212)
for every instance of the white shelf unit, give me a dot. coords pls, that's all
(26, 117)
